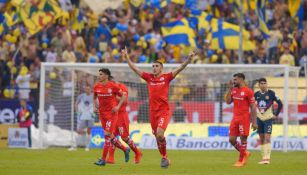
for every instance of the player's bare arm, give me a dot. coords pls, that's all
(124, 53)
(253, 116)
(228, 94)
(120, 103)
(184, 65)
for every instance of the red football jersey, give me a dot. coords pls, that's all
(124, 90)
(106, 95)
(158, 90)
(242, 98)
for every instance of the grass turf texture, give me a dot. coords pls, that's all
(58, 161)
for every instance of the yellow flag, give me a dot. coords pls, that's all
(136, 3)
(38, 16)
(226, 36)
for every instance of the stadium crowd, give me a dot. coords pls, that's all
(97, 38)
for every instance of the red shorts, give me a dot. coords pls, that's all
(239, 126)
(109, 121)
(122, 126)
(159, 118)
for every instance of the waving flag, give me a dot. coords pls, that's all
(78, 22)
(37, 16)
(11, 19)
(156, 3)
(297, 11)
(204, 21)
(179, 32)
(1, 23)
(260, 12)
(226, 36)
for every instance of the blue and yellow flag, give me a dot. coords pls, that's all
(1, 23)
(204, 22)
(179, 32)
(37, 16)
(11, 18)
(260, 12)
(78, 23)
(156, 3)
(226, 36)
(297, 11)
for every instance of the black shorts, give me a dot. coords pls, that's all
(264, 127)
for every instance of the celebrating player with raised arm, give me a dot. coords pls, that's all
(158, 85)
(122, 128)
(243, 99)
(265, 100)
(106, 91)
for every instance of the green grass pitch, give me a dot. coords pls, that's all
(59, 161)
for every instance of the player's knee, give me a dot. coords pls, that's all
(125, 139)
(108, 134)
(267, 140)
(232, 141)
(159, 136)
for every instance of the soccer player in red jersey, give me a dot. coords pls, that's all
(243, 99)
(158, 85)
(106, 91)
(122, 128)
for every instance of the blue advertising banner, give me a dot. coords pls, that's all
(8, 111)
(97, 137)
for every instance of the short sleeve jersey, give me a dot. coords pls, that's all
(242, 98)
(106, 95)
(158, 90)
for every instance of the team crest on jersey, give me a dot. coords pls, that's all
(162, 79)
(267, 97)
(242, 93)
(262, 103)
(109, 90)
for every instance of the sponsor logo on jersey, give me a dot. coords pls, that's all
(104, 95)
(162, 79)
(242, 93)
(157, 84)
(109, 90)
(238, 98)
(267, 97)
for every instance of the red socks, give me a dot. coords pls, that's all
(162, 147)
(106, 147)
(132, 145)
(111, 152)
(237, 146)
(242, 150)
(118, 144)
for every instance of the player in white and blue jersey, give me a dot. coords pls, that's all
(265, 99)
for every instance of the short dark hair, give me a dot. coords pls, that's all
(157, 61)
(261, 80)
(107, 72)
(240, 75)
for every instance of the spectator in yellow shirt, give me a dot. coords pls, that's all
(287, 58)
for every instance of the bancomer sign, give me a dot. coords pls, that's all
(219, 143)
